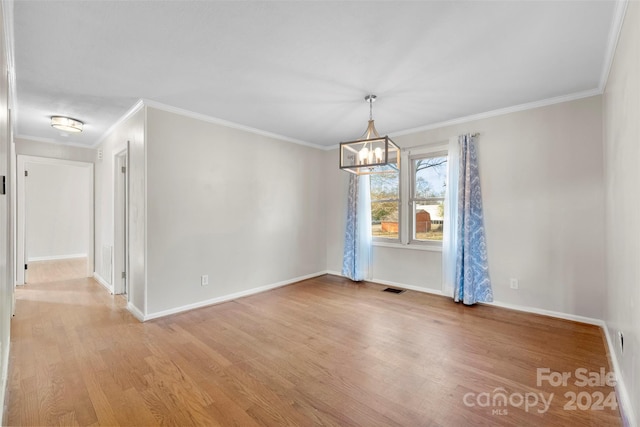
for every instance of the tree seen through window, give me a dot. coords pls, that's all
(428, 195)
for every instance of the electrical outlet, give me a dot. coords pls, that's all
(204, 280)
(513, 283)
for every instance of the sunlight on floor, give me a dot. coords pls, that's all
(56, 270)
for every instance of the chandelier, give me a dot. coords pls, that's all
(372, 153)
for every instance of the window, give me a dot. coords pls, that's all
(407, 205)
(427, 198)
(385, 205)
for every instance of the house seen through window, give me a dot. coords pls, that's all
(426, 177)
(428, 190)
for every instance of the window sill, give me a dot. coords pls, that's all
(415, 247)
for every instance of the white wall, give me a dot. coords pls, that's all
(54, 151)
(622, 176)
(128, 133)
(542, 178)
(59, 210)
(6, 243)
(245, 209)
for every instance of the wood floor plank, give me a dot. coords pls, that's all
(99, 400)
(56, 270)
(30, 414)
(324, 351)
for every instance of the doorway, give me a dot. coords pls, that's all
(54, 213)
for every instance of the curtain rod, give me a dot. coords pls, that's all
(415, 147)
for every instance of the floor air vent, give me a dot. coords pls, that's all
(394, 290)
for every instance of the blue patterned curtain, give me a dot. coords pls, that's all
(472, 282)
(357, 240)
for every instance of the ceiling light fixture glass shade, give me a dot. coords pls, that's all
(66, 124)
(372, 153)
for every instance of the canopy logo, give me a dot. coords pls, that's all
(499, 400)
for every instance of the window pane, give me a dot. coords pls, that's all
(384, 219)
(385, 203)
(385, 186)
(430, 181)
(431, 177)
(428, 220)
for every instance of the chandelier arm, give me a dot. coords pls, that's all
(371, 153)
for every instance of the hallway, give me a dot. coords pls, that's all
(62, 322)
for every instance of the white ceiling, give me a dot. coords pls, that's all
(301, 69)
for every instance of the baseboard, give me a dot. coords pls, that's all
(136, 313)
(55, 257)
(103, 282)
(525, 309)
(396, 284)
(4, 380)
(409, 287)
(228, 297)
(550, 313)
(624, 401)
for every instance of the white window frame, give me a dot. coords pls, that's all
(412, 199)
(383, 241)
(406, 204)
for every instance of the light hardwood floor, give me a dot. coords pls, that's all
(56, 270)
(321, 352)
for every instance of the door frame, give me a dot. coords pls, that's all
(121, 221)
(21, 244)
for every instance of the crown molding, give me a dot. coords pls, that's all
(136, 107)
(493, 113)
(233, 125)
(130, 112)
(502, 111)
(612, 44)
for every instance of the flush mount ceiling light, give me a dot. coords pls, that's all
(372, 153)
(66, 124)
